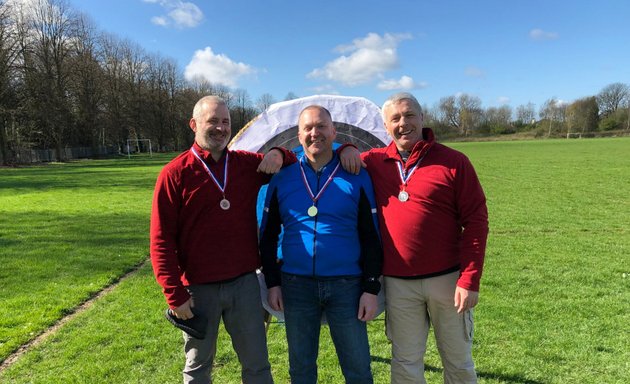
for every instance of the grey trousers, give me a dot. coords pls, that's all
(238, 304)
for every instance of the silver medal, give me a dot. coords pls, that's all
(312, 211)
(403, 196)
(224, 204)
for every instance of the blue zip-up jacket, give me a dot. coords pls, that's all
(341, 240)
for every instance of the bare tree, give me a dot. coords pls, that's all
(46, 28)
(86, 83)
(470, 111)
(154, 101)
(8, 49)
(582, 115)
(525, 114)
(553, 111)
(612, 97)
(462, 112)
(201, 86)
(242, 111)
(9, 54)
(224, 92)
(177, 119)
(264, 101)
(290, 96)
(433, 118)
(449, 112)
(429, 115)
(160, 96)
(498, 120)
(134, 67)
(115, 86)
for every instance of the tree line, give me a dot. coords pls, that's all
(63, 83)
(463, 115)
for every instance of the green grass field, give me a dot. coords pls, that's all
(554, 308)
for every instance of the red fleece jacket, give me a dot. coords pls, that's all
(444, 224)
(193, 240)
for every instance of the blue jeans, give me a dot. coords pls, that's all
(305, 300)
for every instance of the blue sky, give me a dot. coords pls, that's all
(504, 52)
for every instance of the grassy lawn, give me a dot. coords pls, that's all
(555, 307)
(66, 232)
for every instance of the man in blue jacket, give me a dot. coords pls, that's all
(331, 253)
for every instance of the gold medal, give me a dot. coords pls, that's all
(312, 211)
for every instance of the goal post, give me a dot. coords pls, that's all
(137, 147)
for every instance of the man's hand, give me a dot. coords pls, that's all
(272, 162)
(368, 305)
(465, 299)
(350, 158)
(184, 311)
(274, 298)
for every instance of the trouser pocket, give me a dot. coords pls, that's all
(469, 327)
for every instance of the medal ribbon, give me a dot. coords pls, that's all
(404, 176)
(308, 187)
(225, 170)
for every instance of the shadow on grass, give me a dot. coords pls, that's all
(120, 175)
(516, 379)
(83, 237)
(158, 159)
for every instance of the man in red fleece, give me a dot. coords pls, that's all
(434, 225)
(204, 242)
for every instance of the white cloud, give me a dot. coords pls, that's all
(216, 68)
(539, 34)
(326, 89)
(181, 14)
(474, 72)
(159, 20)
(503, 100)
(404, 83)
(368, 58)
(186, 15)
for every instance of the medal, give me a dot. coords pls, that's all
(312, 211)
(404, 178)
(224, 203)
